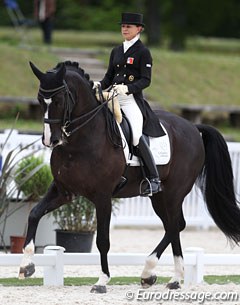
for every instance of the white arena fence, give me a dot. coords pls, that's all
(54, 259)
(135, 211)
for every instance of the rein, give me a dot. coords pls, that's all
(93, 113)
(67, 122)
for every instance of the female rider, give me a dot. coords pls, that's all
(129, 72)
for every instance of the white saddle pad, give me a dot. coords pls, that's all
(160, 148)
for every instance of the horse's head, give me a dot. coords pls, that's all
(68, 102)
(56, 101)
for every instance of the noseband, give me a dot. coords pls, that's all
(69, 104)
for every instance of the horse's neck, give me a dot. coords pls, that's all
(85, 103)
(95, 122)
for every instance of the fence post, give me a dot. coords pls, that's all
(53, 275)
(193, 274)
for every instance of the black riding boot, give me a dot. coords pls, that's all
(155, 184)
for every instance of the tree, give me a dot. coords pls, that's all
(176, 19)
(178, 22)
(153, 17)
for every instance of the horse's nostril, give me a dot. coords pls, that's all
(55, 142)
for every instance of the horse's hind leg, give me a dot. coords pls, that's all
(148, 276)
(170, 218)
(178, 277)
(49, 202)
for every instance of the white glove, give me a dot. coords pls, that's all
(121, 89)
(96, 85)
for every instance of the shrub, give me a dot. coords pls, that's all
(33, 177)
(79, 215)
(76, 216)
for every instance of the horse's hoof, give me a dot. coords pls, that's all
(173, 285)
(98, 289)
(148, 282)
(26, 271)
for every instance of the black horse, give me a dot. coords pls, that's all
(87, 160)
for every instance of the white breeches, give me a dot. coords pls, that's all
(134, 115)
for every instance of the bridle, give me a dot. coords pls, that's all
(69, 103)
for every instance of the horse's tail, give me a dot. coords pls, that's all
(216, 183)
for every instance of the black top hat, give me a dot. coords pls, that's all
(132, 18)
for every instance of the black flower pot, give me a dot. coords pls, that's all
(75, 241)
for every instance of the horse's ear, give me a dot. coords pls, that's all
(61, 72)
(36, 71)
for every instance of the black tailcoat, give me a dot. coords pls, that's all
(134, 69)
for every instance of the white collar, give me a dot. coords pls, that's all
(128, 43)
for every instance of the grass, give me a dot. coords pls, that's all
(61, 38)
(74, 281)
(194, 78)
(198, 76)
(22, 125)
(16, 78)
(222, 279)
(207, 73)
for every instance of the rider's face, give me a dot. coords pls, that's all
(129, 31)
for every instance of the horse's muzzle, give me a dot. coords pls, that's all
(53, 142)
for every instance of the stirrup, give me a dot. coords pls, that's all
(141, 191)
(148, 190)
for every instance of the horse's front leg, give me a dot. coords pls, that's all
(52, 200)
(103, 244)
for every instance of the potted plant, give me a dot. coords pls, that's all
(77, 225)
(8, 188)
(32, 178)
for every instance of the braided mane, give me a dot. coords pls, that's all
(74, 66)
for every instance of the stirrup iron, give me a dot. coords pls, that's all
(145, 180)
